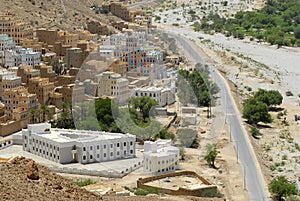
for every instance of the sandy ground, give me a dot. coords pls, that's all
(249, 66)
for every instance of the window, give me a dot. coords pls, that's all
(104, 146)
(98, 147)
(125, 153)
(111, 153)
(84, 157)
(111, 145)
(84, 149)
(124, 144)
(104, 155)
(131, 143)
(91, 156)
(98, 155)
(118, 153)
(131, 151)
(118, 144)
(91, 147)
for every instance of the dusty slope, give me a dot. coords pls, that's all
(15, 184)
(61, 14)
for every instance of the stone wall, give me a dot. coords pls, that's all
(12, 127)
(181, 191)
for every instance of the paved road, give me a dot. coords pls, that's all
(254, 181)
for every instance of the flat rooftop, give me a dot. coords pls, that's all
(65, 135)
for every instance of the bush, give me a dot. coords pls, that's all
(146, 191)
(84, 183)
(212, 194)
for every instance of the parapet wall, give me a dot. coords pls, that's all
(181, 191)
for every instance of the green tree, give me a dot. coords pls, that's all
(211, 154)
(271, 97)
(104, 110)
(281, 187)
(66, 119)
(297, 32)
(144, 105)
(45, 112)
(256, 111)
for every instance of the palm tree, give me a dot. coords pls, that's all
(45, 111)
(32, 114)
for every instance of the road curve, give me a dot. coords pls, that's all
(254, 180)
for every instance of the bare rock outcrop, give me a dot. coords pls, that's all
(32, 171)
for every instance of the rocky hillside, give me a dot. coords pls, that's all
(23, 179)
(59, 14)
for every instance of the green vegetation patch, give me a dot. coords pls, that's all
(277, 23)
(84, 183)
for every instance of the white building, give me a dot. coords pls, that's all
(160, 157)
(21, 56)
(67, 146)
(164, 96)
(112, 84)
(129, 39)
(107, 51)
(6, 43)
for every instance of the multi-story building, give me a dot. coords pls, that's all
(69, 146)
(9, 82)
(47, 72)
(26, 73)
(32, 43)
(6, 43)
(42, 88)
(21, 56)
(74, 57)
(19, 100)
(120, 10)
(164, 96)
(160, 157)
(71, 93)
(14, 27)
(132, 49)
(4, 73)
(64, 80)
(68, 38)
(129, 39)
(49, 37)
(112, 84)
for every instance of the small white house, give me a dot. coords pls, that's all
(160, 157)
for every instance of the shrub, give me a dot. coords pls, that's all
(84, 183)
